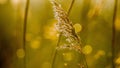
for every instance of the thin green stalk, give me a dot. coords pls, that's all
(85, 59)
(25, 29)
(114, 32)
(71, 5)
(54, 55)
(82, 54)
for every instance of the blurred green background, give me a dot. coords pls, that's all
(93, 21)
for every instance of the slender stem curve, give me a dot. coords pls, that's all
(114, 32)
(54, 55)
(25, 28)
(71, 5)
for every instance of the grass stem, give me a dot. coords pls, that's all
(55, 52)
(25, 29)
(114, 32)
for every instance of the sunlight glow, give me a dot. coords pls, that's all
(117, 24)
(20, 53)
(77, 27)
(68, 56)
(15, 2)
(29, 37)
(99, 54)
(46, 65)
(3, 1)
(65, 64)
(87, 49)
(117, 61)
(35, 44)
(50, 32)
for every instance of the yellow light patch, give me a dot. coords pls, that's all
(3, 1)
(117, 61)
(50, 32)
(68, 56)
(35, 44)
(28, 37)
(15, 2)
(46, 65)
(20, 53)
(96, 56)
(91, 13)
(77, 27)
(65, 64)
(117, 24)
(87, 49)
(99, 54)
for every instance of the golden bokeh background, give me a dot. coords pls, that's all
(92, 20)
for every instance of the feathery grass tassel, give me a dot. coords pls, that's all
(65, 27)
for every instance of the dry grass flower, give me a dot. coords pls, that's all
(65, 27)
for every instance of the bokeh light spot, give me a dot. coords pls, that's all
(99, 54)
(87, 49)
(117, 60)
(20, 53)
(3, 1)
(91, 13)
(50, 32)
(65, 64)
(78, 28)
(28, 37)
(35, 44)
(68, 56)
(46, 65)
(16, 2)
(117, 24)
(80, 65)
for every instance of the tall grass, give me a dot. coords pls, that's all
(66, 29)
(59, 37)
(114, 32)
(25, 29)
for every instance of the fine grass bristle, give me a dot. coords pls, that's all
(65, 27)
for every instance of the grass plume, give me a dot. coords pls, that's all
(66, 29)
